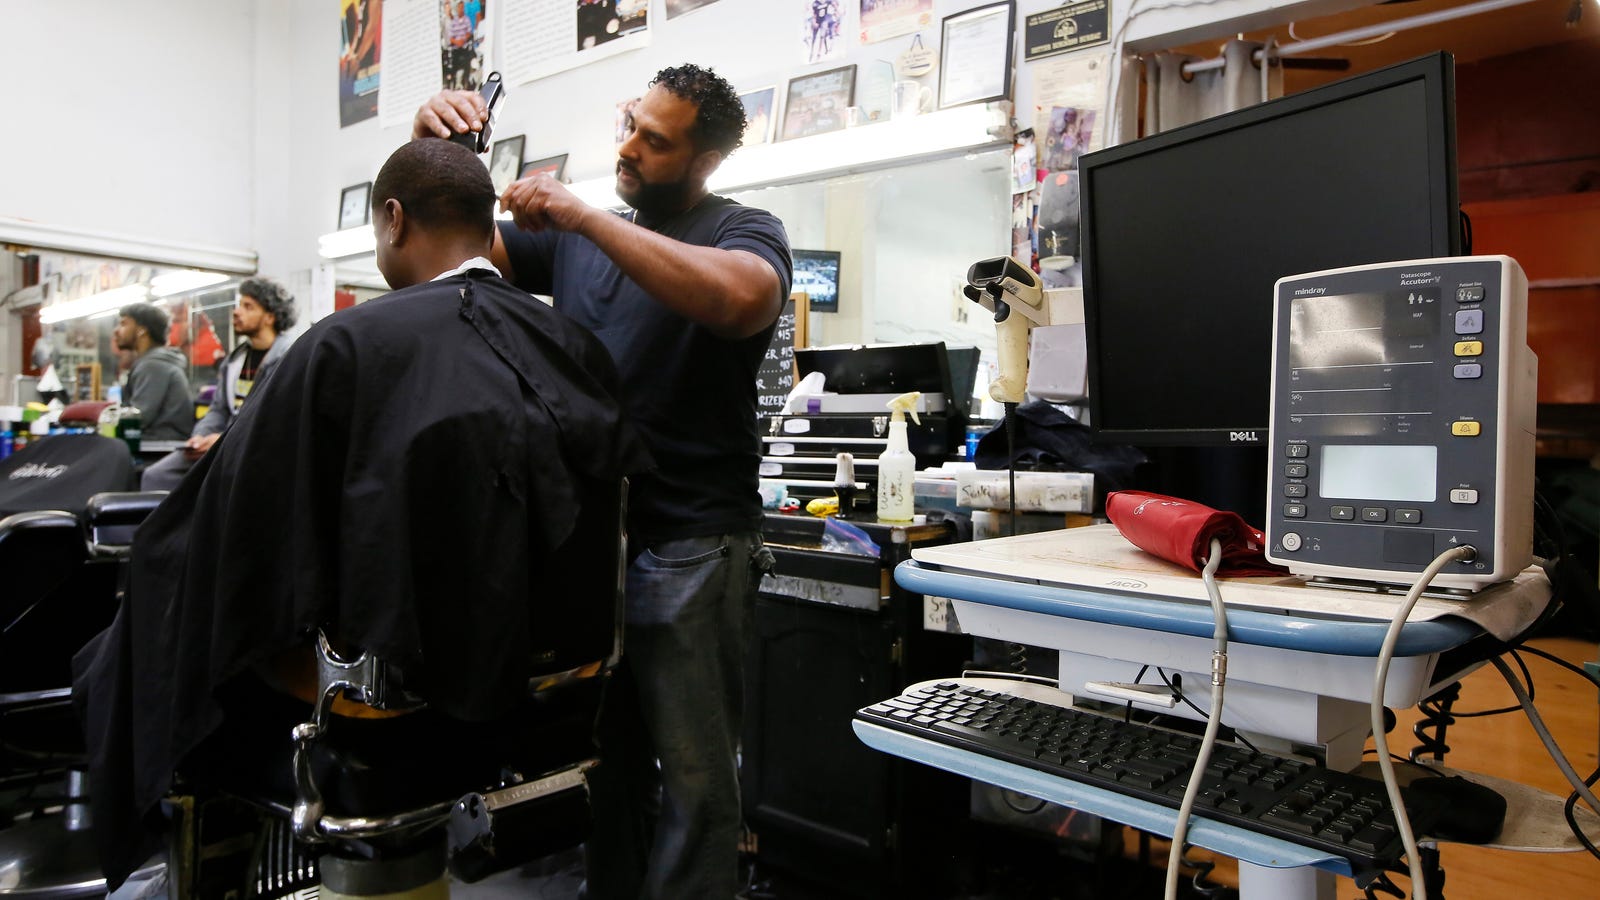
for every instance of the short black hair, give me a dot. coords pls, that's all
(151, 318)
(719, 124)
(440, 184)
(274, 298)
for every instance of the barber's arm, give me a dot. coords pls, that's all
(734, 293)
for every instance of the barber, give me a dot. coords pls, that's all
(684, 290)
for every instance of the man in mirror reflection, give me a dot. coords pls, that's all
(684, 289)
(158, 383)
(265, 311)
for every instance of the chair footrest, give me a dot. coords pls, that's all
(493, 832)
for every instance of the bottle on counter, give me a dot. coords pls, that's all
(897, 468)
(130, 427)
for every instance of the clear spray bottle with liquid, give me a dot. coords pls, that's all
(897, 468)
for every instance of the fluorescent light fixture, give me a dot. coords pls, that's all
(349, 242)
(114, 299)
(168, 283)
(939, 134)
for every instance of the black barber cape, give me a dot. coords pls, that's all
(400, 480)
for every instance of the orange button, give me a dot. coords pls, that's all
(1469, 348)
(1465, 429)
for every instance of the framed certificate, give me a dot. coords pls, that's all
(355, 205)
(975, 55)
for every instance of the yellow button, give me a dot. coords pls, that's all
(1469, 348)
(1465, 429)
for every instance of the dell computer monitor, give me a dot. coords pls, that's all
(1185, 233)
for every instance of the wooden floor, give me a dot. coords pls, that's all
(1504, 746)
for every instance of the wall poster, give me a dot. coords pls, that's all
(361, 46)
(543, 37)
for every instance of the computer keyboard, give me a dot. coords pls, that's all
(1305, 804)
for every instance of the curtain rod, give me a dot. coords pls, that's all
(1369, 31)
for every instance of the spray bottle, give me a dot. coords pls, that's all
(897, 468)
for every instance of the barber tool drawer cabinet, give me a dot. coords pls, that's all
(833, 633)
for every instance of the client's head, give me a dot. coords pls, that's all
(432, 209)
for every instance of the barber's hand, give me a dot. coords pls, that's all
(539, 202)
(196, 447)
(449, 113)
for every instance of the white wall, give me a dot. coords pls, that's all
(132, 118)
(216, 121)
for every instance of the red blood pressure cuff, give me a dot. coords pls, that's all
(1181, 531)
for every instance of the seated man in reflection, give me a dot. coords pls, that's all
(401, 482)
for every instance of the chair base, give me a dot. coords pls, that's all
(416, 876)
(42, 859)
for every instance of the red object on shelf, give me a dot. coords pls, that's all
(1181, 531)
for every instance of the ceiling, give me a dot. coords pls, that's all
(1472, 38)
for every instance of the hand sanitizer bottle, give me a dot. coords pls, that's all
(897, 468)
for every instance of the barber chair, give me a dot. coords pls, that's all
(61, 578)
(390, 805)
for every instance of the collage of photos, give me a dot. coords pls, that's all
(462, 34)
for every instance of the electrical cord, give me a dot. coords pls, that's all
(1568, 810)
(1579, 670)
(1580, 786)
(1219, 673)
(1419, 889)
(1174, 684)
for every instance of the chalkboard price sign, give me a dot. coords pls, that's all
(775, 377)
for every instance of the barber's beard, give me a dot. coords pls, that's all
(656, 199)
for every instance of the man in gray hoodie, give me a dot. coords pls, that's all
(157, 384)
(264, 312)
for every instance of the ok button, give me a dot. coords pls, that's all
(1374, 514)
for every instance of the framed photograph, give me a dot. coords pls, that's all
(816, 274)
(505, 160)
(86, 385)
(555, 165)
(758, 115)
(975, 55)
(816, 103)
(355, 206)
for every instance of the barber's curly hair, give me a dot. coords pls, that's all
(274, 298)
(720, 122)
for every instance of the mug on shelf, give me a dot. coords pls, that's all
(910, 99)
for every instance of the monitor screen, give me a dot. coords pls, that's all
(1185, 232)
(816, 272)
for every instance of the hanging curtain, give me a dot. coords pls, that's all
(1171, 99)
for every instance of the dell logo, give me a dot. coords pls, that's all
(1235, 437)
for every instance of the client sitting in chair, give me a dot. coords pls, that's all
(404, 484)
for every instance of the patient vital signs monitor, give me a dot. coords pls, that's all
(1403, 401)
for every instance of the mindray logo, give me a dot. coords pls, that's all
(1304, 291)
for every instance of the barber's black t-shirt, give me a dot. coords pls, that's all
(692, 394)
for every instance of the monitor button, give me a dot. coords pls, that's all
(1295, 470)
(1466, 429)
(1294, 490)
(1297, 451)
(1469, 321)
(1294, 510)
(1342, 512)
(1469, 295)
(1291, 542)
(1407, 516)
(1468, 370)
(1374, 514)
(1463, 495)
(1469, 348)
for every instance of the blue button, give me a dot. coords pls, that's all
(1469, 370)
(1469, 321)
